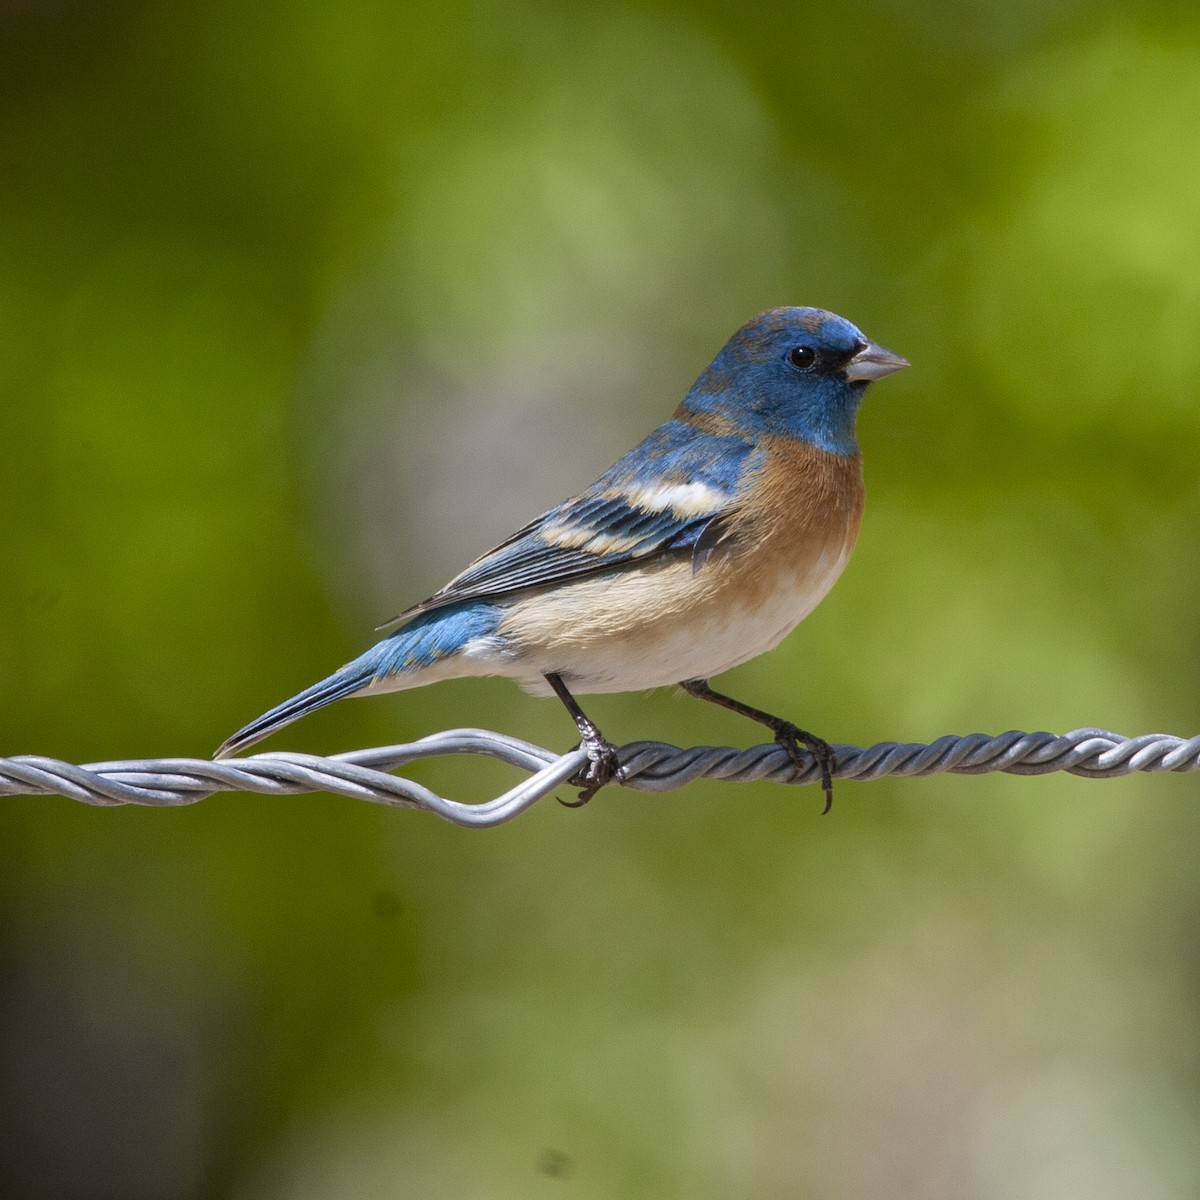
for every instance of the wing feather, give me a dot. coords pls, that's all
(656, 501)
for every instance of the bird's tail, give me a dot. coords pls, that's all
(400, 660)
(353, 677)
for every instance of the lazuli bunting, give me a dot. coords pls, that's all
(700, 549)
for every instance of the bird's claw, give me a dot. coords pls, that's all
(790, 736)
(603, 767)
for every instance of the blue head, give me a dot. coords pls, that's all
(793, 372)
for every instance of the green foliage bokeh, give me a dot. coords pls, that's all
(303, 305)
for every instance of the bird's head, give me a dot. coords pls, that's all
(793, 372)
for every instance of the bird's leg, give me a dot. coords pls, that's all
(786, 734)
(603, 765)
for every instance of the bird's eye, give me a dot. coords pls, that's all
(802, 357)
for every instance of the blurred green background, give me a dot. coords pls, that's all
(304, 304)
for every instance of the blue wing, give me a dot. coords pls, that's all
(655, 501)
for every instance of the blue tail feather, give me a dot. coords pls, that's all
(427, 639)
(350, 679)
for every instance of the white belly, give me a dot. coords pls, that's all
(657, 627)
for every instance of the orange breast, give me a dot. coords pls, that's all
(803, 512)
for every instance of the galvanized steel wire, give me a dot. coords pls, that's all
(647, 766)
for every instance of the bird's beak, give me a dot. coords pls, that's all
(874, 362)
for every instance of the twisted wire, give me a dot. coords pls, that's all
(646, 766)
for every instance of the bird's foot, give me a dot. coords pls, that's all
(603, 767)
(790, 736)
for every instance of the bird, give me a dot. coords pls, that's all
(700, 549)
